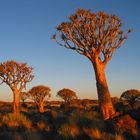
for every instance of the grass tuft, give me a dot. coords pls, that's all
(12, 120)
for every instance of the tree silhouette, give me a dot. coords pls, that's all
(38, 94)
(131, 96)
(16, 76)
(96, 36)
(67, 95)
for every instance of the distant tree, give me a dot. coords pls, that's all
(86, 103)
(131, 97)
(96, 36)
(16, 76)
(38, 95)
(24, 96)
(67, 95)
(115, 100)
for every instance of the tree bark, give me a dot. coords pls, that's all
(41, 107)
(16, 103)
(105, 104)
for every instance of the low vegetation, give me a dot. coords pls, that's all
(74, 124)
(96, 36)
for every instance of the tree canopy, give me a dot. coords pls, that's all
(131, 96)
(95, 35)
(38, 93)
(15, 75)
(66, 94)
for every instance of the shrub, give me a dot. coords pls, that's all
(125, 123)
(15, 120)
(41, 125)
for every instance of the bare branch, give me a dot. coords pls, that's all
(92, 34)
(38, 93)
(15, 75)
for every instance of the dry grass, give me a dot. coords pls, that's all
(93, 133)
(12, 120)
(97, 134)
(68, 130)
(58, 125)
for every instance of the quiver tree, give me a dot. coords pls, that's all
(131, 96)
(86, 104)
(16, 76)
(96, 36)
(24, 96)
(67, 95)
(38, 94)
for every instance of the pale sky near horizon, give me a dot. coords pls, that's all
(26, 28)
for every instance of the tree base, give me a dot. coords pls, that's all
(108, 112)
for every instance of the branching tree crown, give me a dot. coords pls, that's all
(38, 93)
(66, 94)
(24, 96)
(15, 75)
(94, 35)
(131, 96)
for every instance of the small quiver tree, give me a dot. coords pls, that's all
(131, 96)
(38, 94)
(16, 76)
(86, 104)
(24, 96)
(96, 36)
(67, 95)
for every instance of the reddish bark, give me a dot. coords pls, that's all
(41, 107)
(105, 103)
(16, 102)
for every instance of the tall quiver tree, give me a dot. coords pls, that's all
(16, 76)
(96, 36)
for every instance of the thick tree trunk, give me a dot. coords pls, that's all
(41, 107)
(16, 103)
(105, 103)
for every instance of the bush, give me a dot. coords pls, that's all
(12, 120)
(125, 123)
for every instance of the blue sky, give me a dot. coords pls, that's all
(26, 28)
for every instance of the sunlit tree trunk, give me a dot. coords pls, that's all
(41, 107)
(105, 103)
(16, 102)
